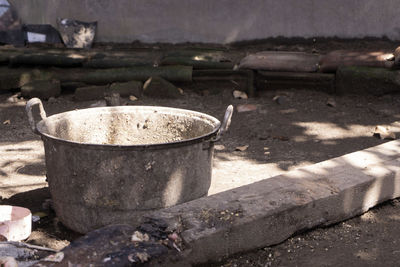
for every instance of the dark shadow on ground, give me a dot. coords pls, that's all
(48, 230)
(32, 200)
(306, 129)
(33, 169)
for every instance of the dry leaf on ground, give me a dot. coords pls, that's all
(242, 148)
(133, 98)
(240, 95)
(383, 133)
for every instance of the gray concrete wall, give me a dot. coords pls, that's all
(220, 21)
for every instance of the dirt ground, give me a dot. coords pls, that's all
(368, 240)
(277, 138)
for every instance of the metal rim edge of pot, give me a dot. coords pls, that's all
(213, 136)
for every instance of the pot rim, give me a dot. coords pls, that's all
(199, 139)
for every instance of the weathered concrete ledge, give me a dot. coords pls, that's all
(253, 216)
(268, 212)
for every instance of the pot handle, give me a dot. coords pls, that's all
(28, 109)
(225, 123)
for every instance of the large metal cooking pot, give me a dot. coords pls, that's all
(112, 164)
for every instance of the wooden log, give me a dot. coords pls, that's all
(396, 55)
(7, 54)
(200, 58)
(251, 89)
(72, 58)
(105, 76)
(367, 80)
(127, 89)
(302, 80)
(197, 62)
(219, 78)
(9, 79)
(71, 86)
(15, 78)
(281, 61)
(113, 99)
(47, 59)
(90, 92)
(160, 88)
(208, 53)
(43, 89)
(298, 76)
(221, 74)
(341, 58)
(4, 59)
(119, 62)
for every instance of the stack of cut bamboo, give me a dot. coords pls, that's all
(339, 71)
(75, 69)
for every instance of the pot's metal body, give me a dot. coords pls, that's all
(99, 177)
